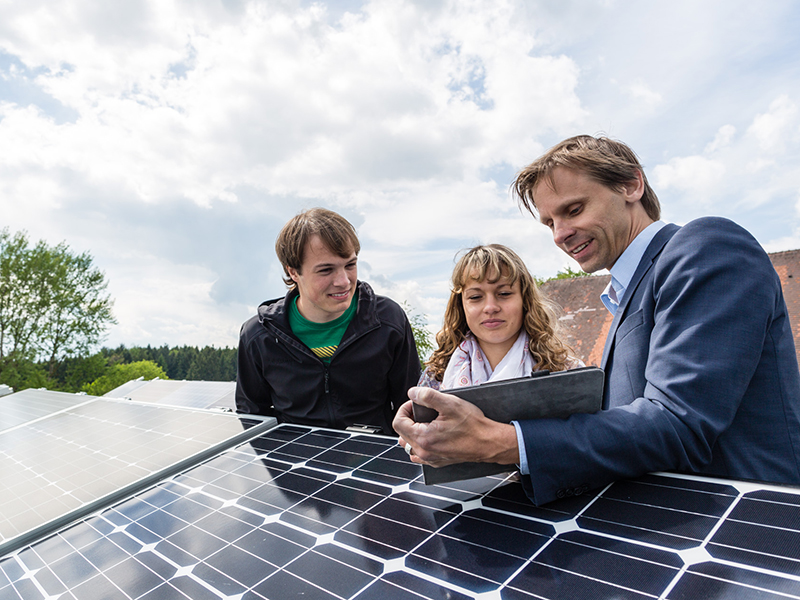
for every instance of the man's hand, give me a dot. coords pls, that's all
(461, 432)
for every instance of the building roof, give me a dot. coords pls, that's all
(586, 321)
(787, 265)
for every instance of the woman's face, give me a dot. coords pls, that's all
(494, 313)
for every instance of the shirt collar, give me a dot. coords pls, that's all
(625, 266)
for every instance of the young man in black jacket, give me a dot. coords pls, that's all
(331, 353)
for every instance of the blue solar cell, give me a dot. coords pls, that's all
(273, 523)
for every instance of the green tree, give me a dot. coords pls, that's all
(22, 374)
(422, 337)
(205, 366)
(78, 307)
(181, 362)
(74, 372)
(118, 374)
(20, 299)
(53, 302)
(567, 273)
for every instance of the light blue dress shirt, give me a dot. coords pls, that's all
(621, 274)
(623, 270)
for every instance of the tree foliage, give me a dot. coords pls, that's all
(23, 374)
(116, 375)
(422, 337)
(181, 362)
(73, 374)
(567, 273)
(53, 303)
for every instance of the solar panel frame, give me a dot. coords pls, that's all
(55, 469)
(29, 405)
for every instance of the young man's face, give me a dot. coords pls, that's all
(592, 223)
(326, 282)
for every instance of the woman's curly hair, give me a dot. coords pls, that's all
(491, 263)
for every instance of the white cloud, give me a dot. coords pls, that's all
(759, 164)
(188, 132)
(287, 103)
(750, 178)
(696, 174)
(722, 140)
(381, 112)
(778, 126)
(155, 296)
(643, 97)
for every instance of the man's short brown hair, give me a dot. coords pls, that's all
(336, 232)
(608, 162)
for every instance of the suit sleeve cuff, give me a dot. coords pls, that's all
(523, 456)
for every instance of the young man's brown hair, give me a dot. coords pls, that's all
(607, 161)
(333, 229)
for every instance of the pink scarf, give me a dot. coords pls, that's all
(469, 366)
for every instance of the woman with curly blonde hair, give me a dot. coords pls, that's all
(497, 324)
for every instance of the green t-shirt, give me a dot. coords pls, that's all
(321, 338)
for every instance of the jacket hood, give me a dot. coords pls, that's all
(269, 310)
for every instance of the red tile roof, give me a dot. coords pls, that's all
(586, 321)
(787, 265)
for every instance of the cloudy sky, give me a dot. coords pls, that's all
(173, 138)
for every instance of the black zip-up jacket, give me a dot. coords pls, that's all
(365, 382)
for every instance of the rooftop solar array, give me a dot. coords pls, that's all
(192, 394)
(59, 464)
(318, 514)
(29, 405)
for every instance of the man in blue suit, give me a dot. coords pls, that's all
(700, 365)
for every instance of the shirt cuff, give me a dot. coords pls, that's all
(523, 456)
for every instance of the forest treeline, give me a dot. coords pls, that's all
(78, 374)
(181, 362)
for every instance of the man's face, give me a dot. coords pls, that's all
(326, 282)
(592, 223)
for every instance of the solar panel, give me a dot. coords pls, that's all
(73, 459)
(192, 394)
(319, 514)
(29, 405)
(126, 388)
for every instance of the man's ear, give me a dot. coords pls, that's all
(293, 273)
(633, 190)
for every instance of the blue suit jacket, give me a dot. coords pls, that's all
(701, 373)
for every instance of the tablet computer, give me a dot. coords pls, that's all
(539, 396)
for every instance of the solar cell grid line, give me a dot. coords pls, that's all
(58, 468)
(722, 508)
(26, 406)
(185, 393)
(123, 390)
(146, 391)
(268, 519)
(204, 394)
(190, 394)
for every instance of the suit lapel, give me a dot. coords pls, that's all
(645, 264)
